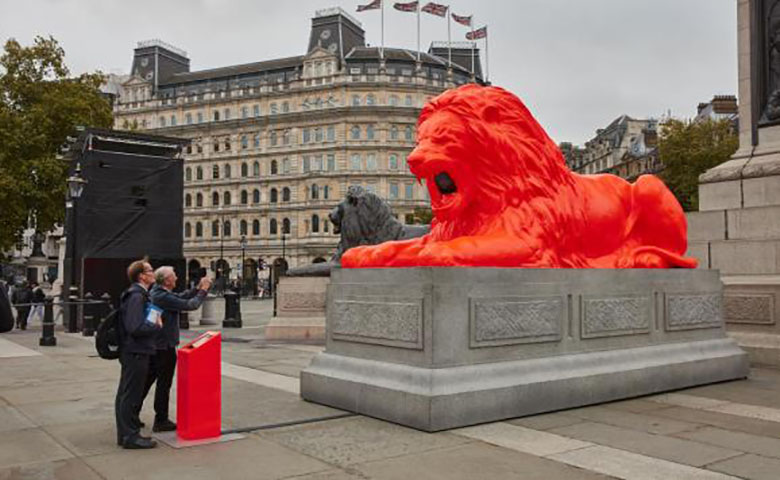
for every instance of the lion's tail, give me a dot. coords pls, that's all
(656, 257)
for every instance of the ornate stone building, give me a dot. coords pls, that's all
(275, 144)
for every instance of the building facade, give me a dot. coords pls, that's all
(275, 144)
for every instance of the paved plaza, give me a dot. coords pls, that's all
(57, 419)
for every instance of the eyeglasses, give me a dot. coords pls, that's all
(148, 271)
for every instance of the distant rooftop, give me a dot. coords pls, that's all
(329, 12)
(159, 43)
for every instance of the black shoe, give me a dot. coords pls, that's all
(164, 426)
(139, 443)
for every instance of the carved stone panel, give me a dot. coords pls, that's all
(613, 316)
(688, 312)
(758, 309)
(301, 301)
(515, 320)
(389, 322)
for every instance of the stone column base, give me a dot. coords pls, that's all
(302, 330)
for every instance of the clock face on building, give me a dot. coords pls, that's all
(333, 47)
(325, 34)
(144, 62)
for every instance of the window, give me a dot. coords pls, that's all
(215, 172)
(216, 115)
(200, 117)
(393, 100)
(285, 107)
(227, 114)
(306, 164)
(256, 196)
(393, 162)
(198, 230)
(242, 227)
(394, 132)
(187, 230)
(188, 200)
(226, 198)
(355, 100)
(162, 121)
(256, 110)
(370, 132)
(244, 142)
(226, 228)
(370, 99)
(256, 169)
(306, 135)
(274, 110)
(199, 200)
(325, 226)
(227, 143)
(255, 227)
(286, 137)
(244, 170)
(200, 148)
(315, 223)
(286, 226)
(331, 162)
(331, 133)
(244, 112)
(355, 133)
(285, 194)
(256, 140)
(409, 193)
(274, 195)
(272, 227)
(317, 134)
(393, 191)
(188, 119)
(354, 163)
(188, 174)
(409, 133)
(215, 228)
(371, 162)
(286, 167)
(227, 170)
(316, 163)
(273, 139)
(408, 101)
(244, 197)
(215, 199)
(315, 192)
(173, 120)
(216, 145)
(274, 167)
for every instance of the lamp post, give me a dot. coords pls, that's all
(76, 185)
(221, 263)
(243, 268)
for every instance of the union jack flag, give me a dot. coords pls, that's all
(463, 20)
(376, 4)
(436, 9)
(406, 7)
(477, 34)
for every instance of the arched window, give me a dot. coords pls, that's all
(394, 132)
(286, 137)
(199, 200)
(274, 195)
(355, 100)
(256, 169)
(244, 197)
(315, 191)
(215, 199)
(286, 226)
(325, 191)
(227, 170)
(215, 172)
(188, 200)
(315, 224)
(226, 228)
(244, 142)
(393, 100)
(272, 229)
(370, 132)
(244, 170)
(285, 194)
(409, 133)
(393, 162)
(215, 228)
(274, 167)
(255, 227)
(199, 230)
(188, 174)
(370, 99)
(199, 173)
(242, 228)
(187, 230)
(355, 133)
(256, 196)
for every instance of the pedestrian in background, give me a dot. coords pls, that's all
(22, 298)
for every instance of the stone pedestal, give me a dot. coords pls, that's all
(737, 229)
(440, 348)
(300, 310)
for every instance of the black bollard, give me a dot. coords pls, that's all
(232, 310)
(47, 335)
(106, 307)
(89, 315)
(73, 313)
(184, 320)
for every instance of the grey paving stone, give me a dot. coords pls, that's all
(70, 411)
(29, 446)
(768, 447)
(751, 467)
(70, 469)
(741, 391)
(636, 405)
(546, 421)
(472, 461)
(722, 420)
(86, 438)
(62, 392)
(657, 446)
(13, 419)
(250, 457)
(359, 439)
(643, 422)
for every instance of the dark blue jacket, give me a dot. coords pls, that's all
(172, 304)
(138, 335)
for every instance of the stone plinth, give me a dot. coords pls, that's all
(300, 310)
(440, 348)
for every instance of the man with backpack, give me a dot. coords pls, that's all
(38, 297)
(138, 328)
(163, 363)
(22, 298)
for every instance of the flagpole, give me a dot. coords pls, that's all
(487, 57)
(473, 42)
(418, 32)
(382, 49)
(449, 36)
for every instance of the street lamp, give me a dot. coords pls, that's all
(76, 185)
(221, 263)
(243, 268)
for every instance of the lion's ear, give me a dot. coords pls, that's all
(491, 114)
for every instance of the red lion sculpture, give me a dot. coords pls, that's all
(502, 196)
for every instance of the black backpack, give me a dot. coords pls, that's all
(107, 338)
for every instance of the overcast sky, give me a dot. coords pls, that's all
(577, 64)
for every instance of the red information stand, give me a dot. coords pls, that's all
(199, 388)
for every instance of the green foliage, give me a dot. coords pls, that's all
(40, 105)
(688, 149)
(423, 215)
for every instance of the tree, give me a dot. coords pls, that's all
(40, 105)
(688, 149)
(423, 215)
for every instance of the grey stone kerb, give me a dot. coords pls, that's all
(439, 348)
